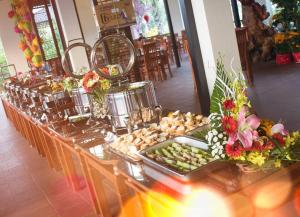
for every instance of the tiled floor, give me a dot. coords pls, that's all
(28, 188)
(178, 92)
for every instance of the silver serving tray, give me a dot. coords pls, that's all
(190, 176)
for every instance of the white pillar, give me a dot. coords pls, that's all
(176, 16)
(10, 39)
(71, 29)
(87, 20)
(216, 35)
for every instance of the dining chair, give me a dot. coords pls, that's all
(242, 37)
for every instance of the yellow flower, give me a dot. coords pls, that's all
(277, 163)
(279, 38)
(256, 158)
(267, 125)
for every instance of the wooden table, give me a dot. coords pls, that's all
(110, 177)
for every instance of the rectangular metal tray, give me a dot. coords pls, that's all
(168, 170)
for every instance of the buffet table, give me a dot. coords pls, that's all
(89, 163)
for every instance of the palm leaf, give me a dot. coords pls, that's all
(221, 88)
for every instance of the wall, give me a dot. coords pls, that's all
(176, 16)
(10, 39)
(216, 35)
(71, 30)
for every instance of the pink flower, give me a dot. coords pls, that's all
(279, 128)
(247, 127)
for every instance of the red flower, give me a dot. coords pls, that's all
(279, 138)
(229, 104)
(234, 150)
(229, 125)
(90, 81)
(105, 70)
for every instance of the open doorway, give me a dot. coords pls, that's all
(160, 29)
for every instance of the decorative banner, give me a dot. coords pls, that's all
(21, 16)
(114, 13)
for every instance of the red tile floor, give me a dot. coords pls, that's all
(28, 187)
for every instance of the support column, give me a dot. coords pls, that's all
(216, 34)
(174, 41)
(176, 16)
(71, 28)
(87, 21)
(10, 39)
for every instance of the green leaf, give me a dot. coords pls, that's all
(220, 91)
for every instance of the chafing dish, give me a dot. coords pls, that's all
(135, 102)
(164, 168)
(82, 101)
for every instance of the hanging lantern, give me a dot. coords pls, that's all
(37, 60)
(11, 14)
(27, 27)
(27, 17)
(18, 30)
(146, 18)
(23, 46)
(28, 53)
(35, 41)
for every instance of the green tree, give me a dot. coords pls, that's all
(287, 11)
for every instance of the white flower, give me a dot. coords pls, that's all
(215, 139)
(221, 135)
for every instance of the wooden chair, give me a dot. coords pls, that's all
(242, 37)
(152, 62)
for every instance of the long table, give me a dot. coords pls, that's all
(118, 186)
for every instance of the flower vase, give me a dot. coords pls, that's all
(296, 56)
(283, 59)
(99, 108)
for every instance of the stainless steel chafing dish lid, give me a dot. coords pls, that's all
(50, 97)
(128, 87)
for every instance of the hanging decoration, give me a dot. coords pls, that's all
(261, 42)
(29, 44)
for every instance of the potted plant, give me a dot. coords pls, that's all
(283, 49)
(295, 45)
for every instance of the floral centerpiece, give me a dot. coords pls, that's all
(295, 46)
(237, 133)
(94, 85)
(282, 48)
(97, 87)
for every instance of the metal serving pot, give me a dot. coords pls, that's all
(82, 101)
(131, 100)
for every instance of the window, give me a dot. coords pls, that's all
(151, 18)
(4, 71)
(44, 29)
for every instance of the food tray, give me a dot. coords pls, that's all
(125, 156)
(198, 129)
(183, 176)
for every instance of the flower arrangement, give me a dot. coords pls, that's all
(97, 87)
(69, 83)
(237, 133)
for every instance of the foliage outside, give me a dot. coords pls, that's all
(157, 23)
(287, 11)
